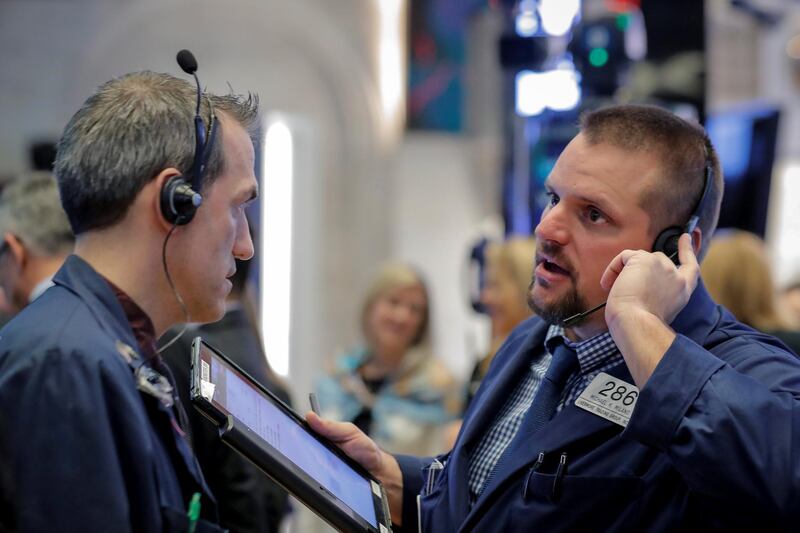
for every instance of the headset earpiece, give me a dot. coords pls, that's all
(179, 202)
(667, 242)
(179, 197)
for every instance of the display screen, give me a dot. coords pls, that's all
(233, 394)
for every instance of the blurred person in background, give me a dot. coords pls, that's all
(391, 387)
(509, 266)
(5, 309)
(248, 500)
(738, 276)
(36, 238)
(790, 302)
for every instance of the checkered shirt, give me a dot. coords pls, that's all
(595, 355)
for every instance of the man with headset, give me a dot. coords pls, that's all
(92, 429)
(658, 413)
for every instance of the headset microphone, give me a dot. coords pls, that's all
(569, 321)
(666, 242)
(179, 198)
(187, 62)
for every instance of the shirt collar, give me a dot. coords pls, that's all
(592, 353)
(141, 325)
(40, 287)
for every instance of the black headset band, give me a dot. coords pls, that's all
(203, 151)
(708, 180)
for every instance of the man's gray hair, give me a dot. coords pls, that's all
(127, 132)
(30, 208)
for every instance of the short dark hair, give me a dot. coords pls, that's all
(684, 150)
(128, 131)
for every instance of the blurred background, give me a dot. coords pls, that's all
(421, 130)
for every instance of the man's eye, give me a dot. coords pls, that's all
(595, 214)
(552, 198)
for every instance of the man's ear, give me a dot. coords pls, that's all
(16, 249)
(697, 241)
(159, 183)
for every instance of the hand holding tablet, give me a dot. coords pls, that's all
(277, 440)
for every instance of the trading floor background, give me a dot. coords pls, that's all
(354, 170)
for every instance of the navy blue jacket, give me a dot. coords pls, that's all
(88, 451)
(713, 443)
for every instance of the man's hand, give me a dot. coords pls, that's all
(650, 282)
(363, 450)
(646, 293)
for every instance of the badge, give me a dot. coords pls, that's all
(207, 390)
(610, 398)
(148, 381)
(127, 353)
(151, 382)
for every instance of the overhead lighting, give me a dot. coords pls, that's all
(276, 243)
(526, 21)
(558, 90)
(564, 90)
(784, 222)
(558, 15)
(530, 98)
(391, 61)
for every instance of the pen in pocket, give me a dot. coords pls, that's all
(194, 511)
(433, 471)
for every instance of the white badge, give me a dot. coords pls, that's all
(207, 390)
(610, 398)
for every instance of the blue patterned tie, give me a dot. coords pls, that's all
(562, 365)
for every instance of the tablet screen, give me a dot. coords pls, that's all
(233, 394)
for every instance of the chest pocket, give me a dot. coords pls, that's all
(434, 481)
(578, 503)
(562, 489)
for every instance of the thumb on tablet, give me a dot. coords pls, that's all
(351, 440)
(330, 429)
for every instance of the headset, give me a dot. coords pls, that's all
(667, 241)
(179, 197)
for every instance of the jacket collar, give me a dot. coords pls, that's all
(78, 276)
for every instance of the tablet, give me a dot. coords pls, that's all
(277, 440)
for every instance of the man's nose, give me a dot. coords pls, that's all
(553, 225)
(243, 248)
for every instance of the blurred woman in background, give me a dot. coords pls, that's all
(391, 387)
(509, 267)
(737, 274)
(790, 301)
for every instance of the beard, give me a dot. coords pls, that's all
(566, 306)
